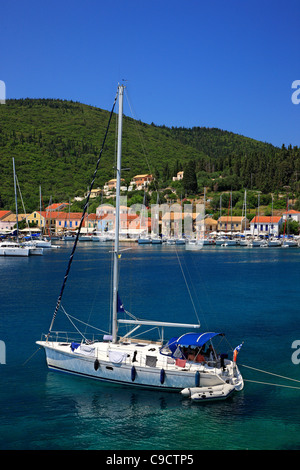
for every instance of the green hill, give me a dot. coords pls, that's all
(56, 143)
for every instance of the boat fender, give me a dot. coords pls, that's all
(162, 376)
(186, 392)
(133, 373)
(197, 379)
(96, 364)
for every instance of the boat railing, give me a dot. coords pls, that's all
(69, 337)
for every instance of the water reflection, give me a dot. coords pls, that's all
(122, 418)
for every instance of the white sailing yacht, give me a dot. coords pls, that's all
(180, 364)
(10, 247)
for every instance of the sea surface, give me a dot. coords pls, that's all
(250, 294)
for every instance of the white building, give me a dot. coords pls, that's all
(266, 225)
(179, 176)
(292, 215)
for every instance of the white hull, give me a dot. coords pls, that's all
(218, 392)
(290, 243)
(180, 241)
(144, 241)
(101, 364)
(13, 249)
(274, 243)
(255, 243)
(209, 241)
(85, 238)
(194, 245)
(35, 250)
(14, 252)
(156, 241)
(226, 242)
(99, 238)
(43, 243)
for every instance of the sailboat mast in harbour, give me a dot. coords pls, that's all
(117, 219)
(16, 199)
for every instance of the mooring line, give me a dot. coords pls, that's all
(270, 373)
(27, 360)
(268, 383)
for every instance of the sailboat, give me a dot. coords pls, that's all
(196, 244)
(179, 364)
(9, 247)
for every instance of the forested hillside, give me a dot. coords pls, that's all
(56, 143)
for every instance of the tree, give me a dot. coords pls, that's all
(190, 178)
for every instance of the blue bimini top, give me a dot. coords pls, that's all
(186, 340)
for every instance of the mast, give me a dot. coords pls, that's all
(16, 199)
(40, 191)
(117, 218)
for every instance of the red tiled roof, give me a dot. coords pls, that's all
(56, 206)
(4, 213)
(69, 215)
(266, 219)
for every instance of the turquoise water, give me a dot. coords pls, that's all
(250, 294)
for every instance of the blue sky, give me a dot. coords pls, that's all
(216, 63)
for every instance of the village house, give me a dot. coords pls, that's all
(112, 184)
(210, 225)
(57, 206)
(130, 224)
(90, 222)
(106, 222)
(94, 193)
(291, 215)
(47, 220)
(105, 209)
(8, 221)
(178, 221)
(172, 223)
(140, 182)
(232, 223)
(266, 225)
(137, 225)
(67, 221)
(39, 218)
(179, 176)
(4, 224)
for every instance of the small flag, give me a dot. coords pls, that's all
(120, 305)
(236, 351)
